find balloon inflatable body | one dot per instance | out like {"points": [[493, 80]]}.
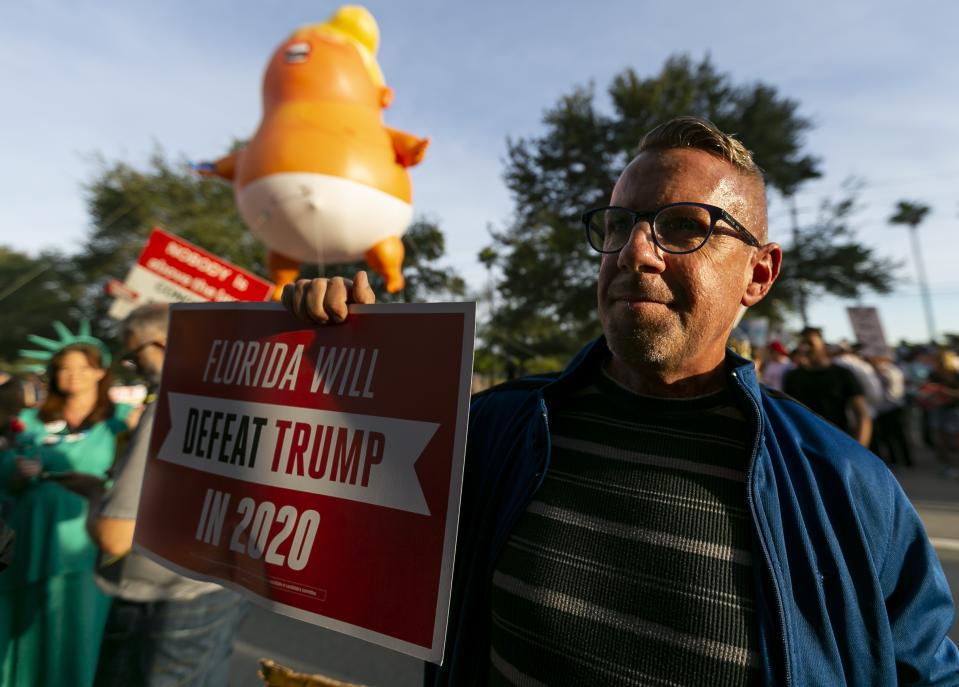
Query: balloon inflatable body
{"points": [[323, 180]]}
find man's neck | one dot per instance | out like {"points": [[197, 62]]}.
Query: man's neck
{"points": [[820, 362], [651, 381]]}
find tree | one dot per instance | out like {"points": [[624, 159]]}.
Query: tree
{"points": [[34, 291], [825, 258], [546, 291], [911, 214], [125, 203], [425, 279]]}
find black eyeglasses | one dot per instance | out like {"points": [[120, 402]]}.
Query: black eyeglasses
{"points": [[677, 228], [132, 358]]}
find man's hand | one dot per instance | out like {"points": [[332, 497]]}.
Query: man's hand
{"points": [[864, 427], [133, 417], [325, 301]]}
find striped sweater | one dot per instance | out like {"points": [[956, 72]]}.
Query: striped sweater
{"points": [[632, 566]]}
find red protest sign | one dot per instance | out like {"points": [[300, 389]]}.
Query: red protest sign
{"points": [[318, 469], [171, 270]]}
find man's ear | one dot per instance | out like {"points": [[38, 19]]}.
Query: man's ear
{"points": [[765, 269]]}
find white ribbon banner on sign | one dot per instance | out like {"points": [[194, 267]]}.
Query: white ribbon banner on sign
{"points": [[348, 456]]}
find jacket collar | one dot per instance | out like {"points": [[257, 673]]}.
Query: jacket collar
{"points": [[596, 351]]}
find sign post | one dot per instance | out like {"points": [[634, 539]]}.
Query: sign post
{"points": [[316, 469]]}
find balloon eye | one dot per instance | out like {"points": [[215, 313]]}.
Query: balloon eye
{"points": [[298, 52]]}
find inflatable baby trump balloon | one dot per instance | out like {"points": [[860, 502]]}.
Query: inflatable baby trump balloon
{"points": [[323, 180]]}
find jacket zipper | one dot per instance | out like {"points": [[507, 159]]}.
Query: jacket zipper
{"points": [[548, 449], [752, 506]]}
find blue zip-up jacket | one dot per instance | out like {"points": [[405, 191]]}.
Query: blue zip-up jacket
{"points": [[848, 588]]}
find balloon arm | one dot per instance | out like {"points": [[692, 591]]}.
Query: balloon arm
{"points": [[224, 168], [283, 270], [410, 149]]}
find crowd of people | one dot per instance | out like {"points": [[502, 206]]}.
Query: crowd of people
{"points": [[897, 401], [651, 515], [77, 606]]}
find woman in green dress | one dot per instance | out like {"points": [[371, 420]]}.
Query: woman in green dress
{"points": [[51, 612]]}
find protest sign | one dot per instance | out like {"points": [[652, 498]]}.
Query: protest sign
{"points": [[171, 270], [317, 469], [868, 331]]}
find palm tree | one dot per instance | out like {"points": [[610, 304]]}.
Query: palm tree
{"points": [[911, 214]]}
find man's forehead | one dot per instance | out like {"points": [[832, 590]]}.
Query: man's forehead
{"points": [[688, 169], [656, 177]]}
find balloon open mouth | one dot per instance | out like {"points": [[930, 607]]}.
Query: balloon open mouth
{"points": [[298, 52]]}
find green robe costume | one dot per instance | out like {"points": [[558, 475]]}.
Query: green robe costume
{"points": [[51, 612]]}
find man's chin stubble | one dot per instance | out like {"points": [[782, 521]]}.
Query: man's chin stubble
{"points": [[638, 347]]}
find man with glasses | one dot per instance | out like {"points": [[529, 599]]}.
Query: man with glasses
{"points": [[163, 628], [652, 515]]}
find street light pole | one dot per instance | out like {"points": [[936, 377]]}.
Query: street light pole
{"points": [[923, 282], [800, 284], [911, 214]]}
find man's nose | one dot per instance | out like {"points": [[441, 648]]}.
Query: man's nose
{"points": [[640, 253]]}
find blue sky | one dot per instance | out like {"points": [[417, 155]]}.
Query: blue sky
{"points": [[116, 79]]}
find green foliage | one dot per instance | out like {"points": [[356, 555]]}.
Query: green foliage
{"points": [[425, 280], [34, 291], [825, 258], [548, 273], [125, 203], [910, 213]]}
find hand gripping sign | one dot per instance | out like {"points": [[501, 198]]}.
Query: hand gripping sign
{"points": [[316, 469]]}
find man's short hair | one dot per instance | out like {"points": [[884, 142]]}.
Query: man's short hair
{"points": [[145, 320], [811, 331], [699, 133]]}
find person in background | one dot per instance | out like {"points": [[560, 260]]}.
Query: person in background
{"points": [[849, 356], [776, 365], [164, 628], [940, 396], [51, 612], [830, 390], [889, 430], [11, 404]]}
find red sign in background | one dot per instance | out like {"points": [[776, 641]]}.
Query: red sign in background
{"points": [[199, 271], [375, 572]]}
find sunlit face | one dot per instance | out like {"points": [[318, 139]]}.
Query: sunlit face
{"points": [[675, 312], [75, 374], [811, 345]]}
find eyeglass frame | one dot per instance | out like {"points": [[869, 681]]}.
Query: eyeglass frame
{"points": [[131, 359], [716, 213]]}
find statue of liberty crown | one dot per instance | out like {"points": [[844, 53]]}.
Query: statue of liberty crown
{"points": [[52, 346]]}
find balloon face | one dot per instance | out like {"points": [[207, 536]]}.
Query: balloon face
{"points": [[312, 67]]}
